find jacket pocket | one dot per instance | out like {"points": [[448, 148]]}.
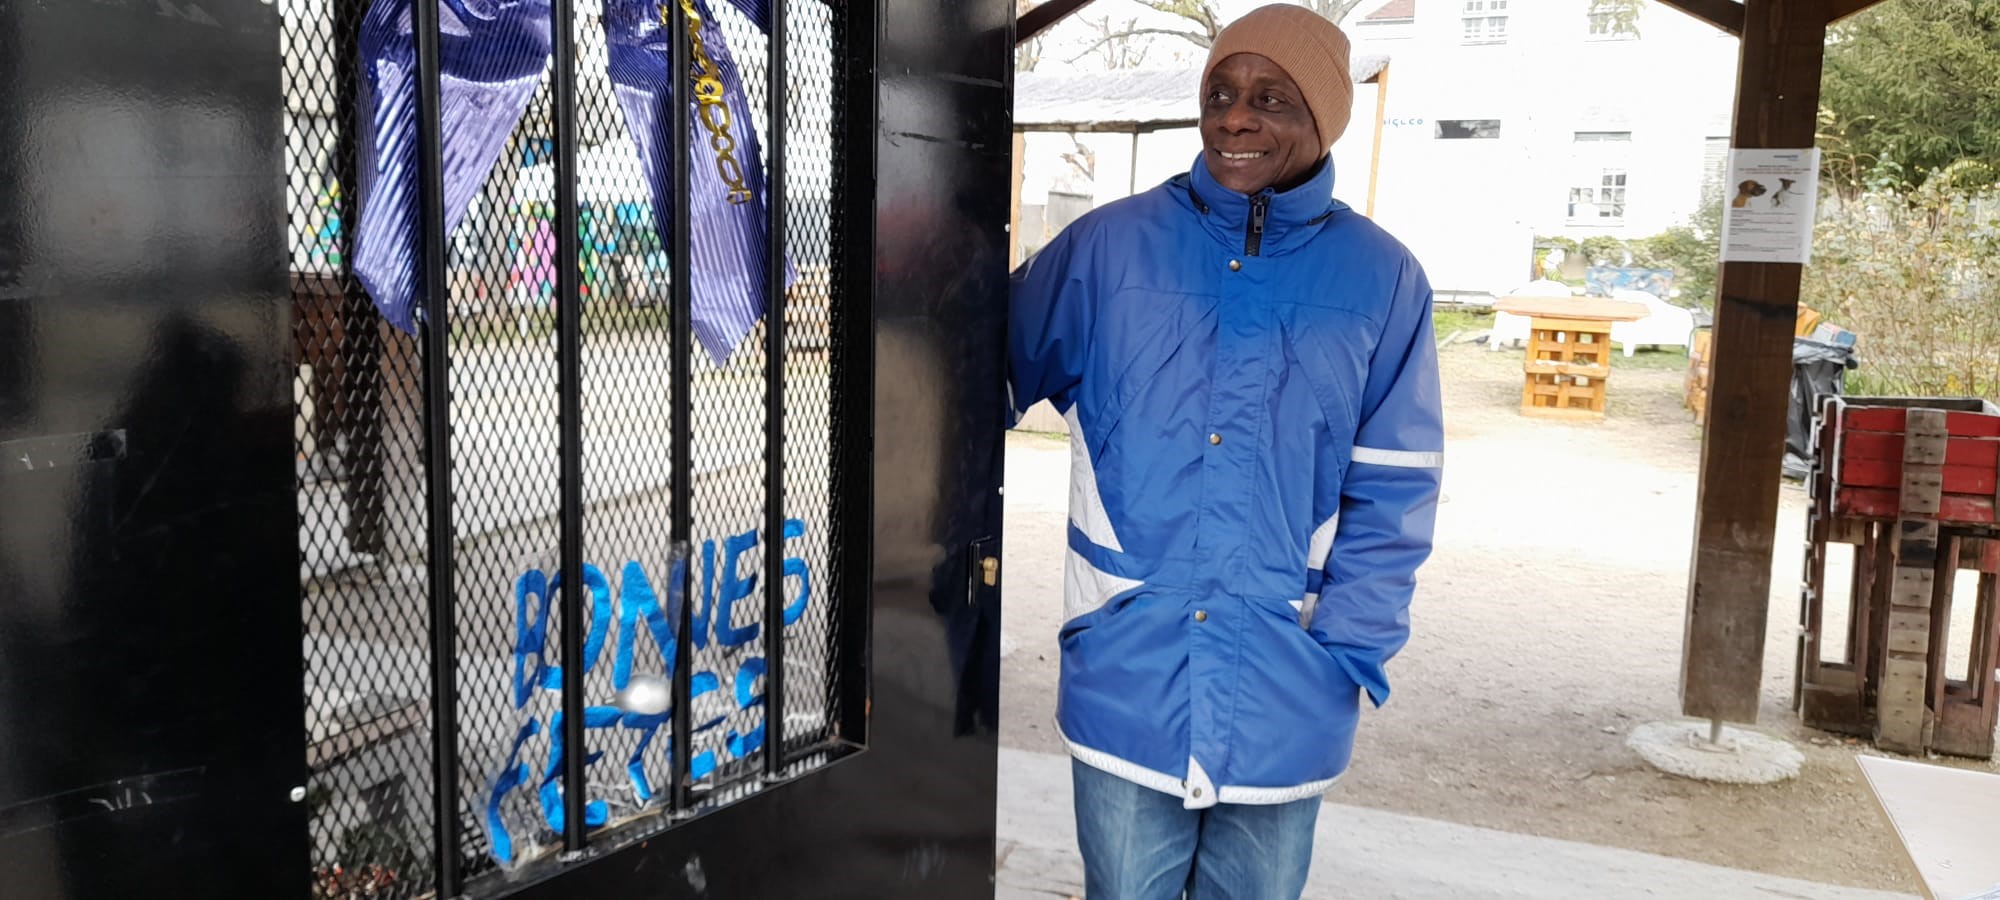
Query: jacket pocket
{"points": [[1308, 663], [1148, 334], [1306, 705], [1332, 348], [1073, 629]]}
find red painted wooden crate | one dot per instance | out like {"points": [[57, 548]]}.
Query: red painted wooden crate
{"points": [[1869, 459]]}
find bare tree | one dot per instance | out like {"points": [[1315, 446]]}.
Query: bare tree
{"points": [[1117, 46], [1616, 16], [1028, 53], [1199, 13], [1082, 158], [1203, 22]]}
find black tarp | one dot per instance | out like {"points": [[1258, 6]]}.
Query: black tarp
{"points": [[1818, 370]]}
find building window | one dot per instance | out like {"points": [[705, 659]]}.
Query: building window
{"points": [[1468, 129], [1597, 189], [1485, 21], [1613, 20], [1602, 203]]}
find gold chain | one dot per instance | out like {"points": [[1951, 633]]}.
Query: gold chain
{"points": [[714, 111]]}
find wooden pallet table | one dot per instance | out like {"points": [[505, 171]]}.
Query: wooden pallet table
{"points": [[1568, 366], [1913, 485]]}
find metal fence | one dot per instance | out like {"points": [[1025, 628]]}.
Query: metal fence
{"points": [[512, 487]]}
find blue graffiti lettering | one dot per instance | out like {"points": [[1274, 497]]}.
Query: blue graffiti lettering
{"points": [[734, 589], [795, 567], [635, 601]]}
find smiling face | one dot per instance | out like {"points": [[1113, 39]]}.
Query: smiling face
{"points": [[1255, 128]]}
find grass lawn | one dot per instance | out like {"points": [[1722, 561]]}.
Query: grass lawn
{"points": [[1446, 322]]}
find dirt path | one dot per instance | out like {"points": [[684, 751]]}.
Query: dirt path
{"points": [[1547, 625]]}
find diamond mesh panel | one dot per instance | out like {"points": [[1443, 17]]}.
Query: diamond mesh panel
{"points": [[812, 685], [506, 483], [362, 452], [362, 527], [729, 461]]}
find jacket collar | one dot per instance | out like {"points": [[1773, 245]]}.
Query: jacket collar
{"points": [[1290, 217]]}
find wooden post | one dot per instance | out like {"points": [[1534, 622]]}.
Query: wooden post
{"points": [[1724, 14], [1043, 17], [1375, 155], [1722, 653], [1904, 721], [1014, 208], [1132, 179]]}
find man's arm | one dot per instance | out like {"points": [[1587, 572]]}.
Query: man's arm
{"points": [[1049, 320], [1388, 501]]}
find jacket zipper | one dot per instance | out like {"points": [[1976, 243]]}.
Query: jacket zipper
{"points": [[1253, 237]]}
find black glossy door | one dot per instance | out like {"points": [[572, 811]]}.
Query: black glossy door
{"points": [[172, 187], [149, 596]]}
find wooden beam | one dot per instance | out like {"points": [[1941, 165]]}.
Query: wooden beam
{"points": [[1841, 9], [1106, 127], [1043, 17], [1722, 655], [1381, 80], [1724, 14], [1014, 205]]}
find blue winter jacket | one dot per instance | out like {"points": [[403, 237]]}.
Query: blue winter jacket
{"points": [[1252, 391]]}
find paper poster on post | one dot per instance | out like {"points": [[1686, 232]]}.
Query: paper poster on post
{"points": [[1768, 205]]}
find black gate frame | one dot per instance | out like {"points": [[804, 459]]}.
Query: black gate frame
{"points": [[164, 466], [924, 326]]}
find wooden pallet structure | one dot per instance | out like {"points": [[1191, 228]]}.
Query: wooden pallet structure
{"points": [[1567, 369], [1697, 374], [1568, 366], [1913, 485]]}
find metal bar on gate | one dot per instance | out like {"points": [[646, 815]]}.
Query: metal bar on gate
{"points": [[362, 353], [851, 316], [680, 395], [569, 413], [436, 311], [777, 92]]}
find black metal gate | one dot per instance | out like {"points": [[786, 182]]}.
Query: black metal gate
{"points": [[748, 572], [552, 469]]}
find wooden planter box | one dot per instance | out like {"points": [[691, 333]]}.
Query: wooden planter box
{"points": [[1911, 485]]}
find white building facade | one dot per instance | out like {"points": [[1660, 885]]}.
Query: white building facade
{"points": [[1502, 120], [1509, 119]]}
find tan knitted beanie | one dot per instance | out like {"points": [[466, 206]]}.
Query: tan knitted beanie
{"points": [[1309, 48]]}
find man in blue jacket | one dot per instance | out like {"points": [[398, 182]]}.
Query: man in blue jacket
{"points": [[1248, 372]]}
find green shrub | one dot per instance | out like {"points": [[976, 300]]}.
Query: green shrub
{"points": [[1917, 276]]}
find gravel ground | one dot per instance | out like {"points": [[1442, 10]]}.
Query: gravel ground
{"points": [[1547, 626]]}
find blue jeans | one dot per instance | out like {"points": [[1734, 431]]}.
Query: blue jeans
{"points": [[1141, 844]]}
